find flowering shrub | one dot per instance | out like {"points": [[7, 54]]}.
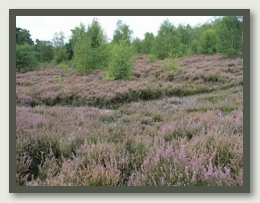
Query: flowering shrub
{"points": [[153, 131]]}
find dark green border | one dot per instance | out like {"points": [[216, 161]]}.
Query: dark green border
{"points": [[128, 12]]}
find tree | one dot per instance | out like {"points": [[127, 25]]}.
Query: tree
{"points": [[69, 49], [137, 45], [196, 35], [82, 55], [44, 50], [183, 35], [89, 47], [96, 34], [120, 65], [23, 36], [147, 43], [122, 32], [58, 39], [166, 41], [25, 57], [99, 48], [60, 54], [209, 42], [230, 34]]}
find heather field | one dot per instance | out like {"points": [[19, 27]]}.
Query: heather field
{"points": [[176, 122]]}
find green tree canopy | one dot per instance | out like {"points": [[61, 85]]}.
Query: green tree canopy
{"points": [[122, 32], [69, 49], [96, 34], [120, 64], [60, 51], [89, 47], [23, 36], [137, 45], [147, 43], [230, 34], [166, 41], [25, 57], [183, 35], [209, 42], [44, 50]]}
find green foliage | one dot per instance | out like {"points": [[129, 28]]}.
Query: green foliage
{"points": [[60, 51], [196, 37], [89, 48], [120, 65], [45, 51], [44, 65], [59, 81], [137, 45], [188, 52], [49, 65], [96, 34], [81, 49], [183, 35], [230, 35], [68, 72], [41, 72], [69, 50], [151, 58], [23, 37], [147, 43], [171, 63], [122, 32], [25, 57], [60, 55], [165, 41], [195, 46], [209, 42], [63, 65]]}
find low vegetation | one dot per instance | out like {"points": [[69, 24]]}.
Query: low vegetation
{"points": [[174, 122]]}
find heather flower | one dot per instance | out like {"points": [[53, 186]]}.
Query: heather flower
{"points": [[181, 128]]}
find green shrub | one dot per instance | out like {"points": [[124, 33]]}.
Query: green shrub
{"points": [[120, 64], [60, 55], [209, 42], [25, 57], [63, 65], [59, 80], [90, 49], [171, 63], [151, 58], [41, 72], [165, 41], [68, 72], [45, 65], [230, 36]]}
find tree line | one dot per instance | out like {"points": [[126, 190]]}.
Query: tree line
{"points": [[89, 49]]}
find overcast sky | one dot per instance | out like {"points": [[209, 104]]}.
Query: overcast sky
{"points": [[44, 27]]}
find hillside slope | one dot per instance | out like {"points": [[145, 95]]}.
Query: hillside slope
{"points": [[179, 127]]}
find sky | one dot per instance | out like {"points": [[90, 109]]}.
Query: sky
{"points": [[44, 27]]}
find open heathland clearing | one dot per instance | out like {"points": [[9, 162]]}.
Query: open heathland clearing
{"points": [[175, 122]]}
